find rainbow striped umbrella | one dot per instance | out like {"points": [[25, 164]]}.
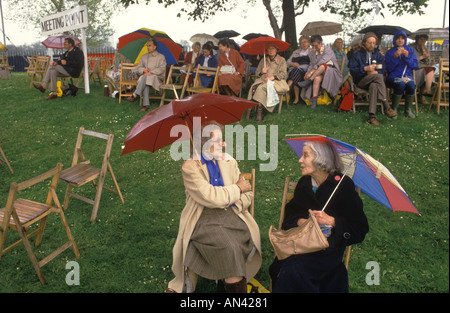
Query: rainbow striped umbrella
{"points": [[374, 179], [133, 45]]}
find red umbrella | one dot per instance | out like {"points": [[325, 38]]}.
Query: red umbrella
{"points": [[57, 41], [152, 132], [260, 44]]}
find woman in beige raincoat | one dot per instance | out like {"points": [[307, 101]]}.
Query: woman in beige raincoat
{"points": [[273, 67], [218, 238]]}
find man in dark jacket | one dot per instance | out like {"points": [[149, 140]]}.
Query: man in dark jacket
{"points": [[367, 68], [70, 65]]}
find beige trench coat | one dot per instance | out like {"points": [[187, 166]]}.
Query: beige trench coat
{"points": [[199, 194], [156, 63], [278, 68]]}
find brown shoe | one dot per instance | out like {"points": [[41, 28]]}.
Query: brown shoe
{"points": [[169, 290], [390, 113], [39, 87], [52, 96], [131, 98], [144, 109], [373, 121]]}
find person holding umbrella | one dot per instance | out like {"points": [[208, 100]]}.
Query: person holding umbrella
{"points": [[321, 271], [70, 65], [218, 238], [273, 67], [400, 63], [425, 72], [367, 68], [152, 68]]}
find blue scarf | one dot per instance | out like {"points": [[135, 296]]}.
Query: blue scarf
{"points": [[215, 177]]}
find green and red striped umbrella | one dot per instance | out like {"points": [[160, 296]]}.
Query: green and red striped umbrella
{"points": [[133, 45]]}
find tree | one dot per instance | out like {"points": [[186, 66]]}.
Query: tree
{"points": [[99, 14], [286, 10]]}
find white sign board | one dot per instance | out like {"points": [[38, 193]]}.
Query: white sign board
{"points": [[64, 21], [68, 20]]}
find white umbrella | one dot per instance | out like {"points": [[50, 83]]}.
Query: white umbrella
{"points": [[321, 28], [432, 33], [203, 38]]}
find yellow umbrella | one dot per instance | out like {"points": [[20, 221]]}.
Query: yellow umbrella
{"points": [[3, 47]]}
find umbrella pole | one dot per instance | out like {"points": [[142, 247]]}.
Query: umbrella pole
{"points": [[192, 142], [342, 178]]}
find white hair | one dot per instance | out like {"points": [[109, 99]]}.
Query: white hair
{"points": [[326, 157]]}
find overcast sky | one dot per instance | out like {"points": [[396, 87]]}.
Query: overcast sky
{"points": [[243, 19]]}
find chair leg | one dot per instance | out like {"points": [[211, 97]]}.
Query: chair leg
{"points": [[162, 98], [67, 196], [40, 232], [115, 183], [98, 196]]}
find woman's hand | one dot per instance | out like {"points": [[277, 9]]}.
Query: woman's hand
{"points": [[301, 221], [244, 185], [324, 218]]}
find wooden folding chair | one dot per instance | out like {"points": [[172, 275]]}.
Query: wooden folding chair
{"points": [[31, 65], [81, 173], [126, 81], [170, 85], [20, 214], [442, 87], [3, 159], [251, 177], [38, 73], [197, 86]]}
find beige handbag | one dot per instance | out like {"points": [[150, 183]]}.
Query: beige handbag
{"points": [[302, 239]]}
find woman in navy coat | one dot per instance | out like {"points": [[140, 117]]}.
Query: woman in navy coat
{"points": [[207, 59], [321, 271]]}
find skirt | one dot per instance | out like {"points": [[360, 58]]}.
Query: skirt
{"points": [[220, 245], [296, 75]]}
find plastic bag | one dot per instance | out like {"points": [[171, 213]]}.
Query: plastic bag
{"points": [[272, 95]]}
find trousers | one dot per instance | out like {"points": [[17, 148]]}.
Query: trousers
{"points": [[53, 72], [377, 89]]}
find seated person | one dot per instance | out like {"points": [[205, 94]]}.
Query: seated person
{"points": [[273, 68], [70, 65], [338, 49], [152, 68], [230, 83], [298, 65], [425, 72], [218, 238], [189, 61], [367, 68], [323, 72], [322, 271], [113, 74], [400, 63], [207, 59]]}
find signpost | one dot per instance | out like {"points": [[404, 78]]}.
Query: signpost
{"points": [[68, 20]]}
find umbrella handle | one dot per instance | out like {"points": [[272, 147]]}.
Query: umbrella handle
{"points": [[342, 178], [192, 141]]}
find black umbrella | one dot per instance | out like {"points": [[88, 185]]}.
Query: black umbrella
{"points": [[226, 34], [383, 30], [254, 35]]}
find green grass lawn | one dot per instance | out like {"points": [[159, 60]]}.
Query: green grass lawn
{"points": [[129, 247]]}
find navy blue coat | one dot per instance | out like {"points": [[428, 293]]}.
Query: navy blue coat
{"points": [[321, 271], [75, 61], [362, 58]]}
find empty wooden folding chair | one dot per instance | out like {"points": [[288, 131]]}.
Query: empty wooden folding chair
{"points": [[40, 69], [19, 214], [81, 173], [170, 85], [197, 86]]}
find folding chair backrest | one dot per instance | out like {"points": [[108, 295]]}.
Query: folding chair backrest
{"points": [[251, 177], [126, 73], [204, 71]]}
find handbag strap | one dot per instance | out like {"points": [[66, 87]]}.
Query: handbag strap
{"points": [[229, 60]]}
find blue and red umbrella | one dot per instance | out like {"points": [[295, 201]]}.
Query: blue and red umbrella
{"points": [[374, 179], [133, 45]]}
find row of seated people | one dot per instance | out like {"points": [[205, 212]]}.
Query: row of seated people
{"points": [[313, 66]]}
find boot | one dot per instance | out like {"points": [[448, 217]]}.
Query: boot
{"points": [[408, 102], [239, 287], [259, 113], [249, 114], [314, 102], [395, 103]]}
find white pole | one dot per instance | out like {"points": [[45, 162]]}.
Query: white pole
{"points": [[86, 68]]}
